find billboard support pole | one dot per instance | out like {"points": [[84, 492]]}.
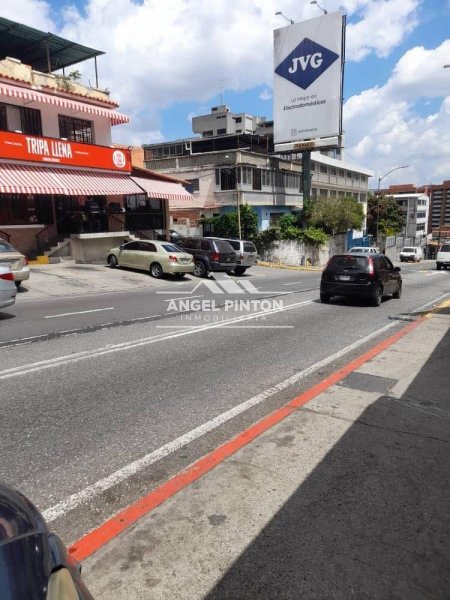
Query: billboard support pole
{"points": [[306, 166]]}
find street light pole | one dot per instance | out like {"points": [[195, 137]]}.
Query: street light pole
{"points": [[380, 179], [325, 12], [280, 14]]}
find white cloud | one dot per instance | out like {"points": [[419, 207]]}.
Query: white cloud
{"points": [[34, 13], [382, 26], [266, 95], [384, 129]]}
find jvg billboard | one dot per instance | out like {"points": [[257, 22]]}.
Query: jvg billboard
{"points": [[309, 66]]}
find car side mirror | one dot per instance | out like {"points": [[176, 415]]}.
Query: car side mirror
{"points": [[397, 269], [121, 247]]}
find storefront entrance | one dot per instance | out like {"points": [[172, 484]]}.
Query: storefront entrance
{"points": [[80, 214]]}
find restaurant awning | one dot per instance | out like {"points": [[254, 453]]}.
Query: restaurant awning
{"points": [[29, 94], [167, 190], [24, 179]]}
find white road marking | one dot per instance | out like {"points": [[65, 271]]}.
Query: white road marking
{"points": [[92, 491], [81, 312], [78, 356], [292, 283], [184, 298]]}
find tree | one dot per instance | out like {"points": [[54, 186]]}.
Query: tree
{"points": [[384, 209], [335, 215], [226, 225]]}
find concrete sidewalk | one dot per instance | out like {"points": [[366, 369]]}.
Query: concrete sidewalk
{"points": [[70, 279], [347, 497]]}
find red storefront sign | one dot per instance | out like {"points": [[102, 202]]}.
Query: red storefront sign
{"points": [[19, 146]]}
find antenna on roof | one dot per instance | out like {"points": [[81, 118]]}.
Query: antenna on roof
{"points": [[221, 89]]}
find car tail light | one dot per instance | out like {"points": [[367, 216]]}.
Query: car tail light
{"points": [[242, 257], [371, 268], [173, 258], [215, 256], [25, 260], [8, 276]]}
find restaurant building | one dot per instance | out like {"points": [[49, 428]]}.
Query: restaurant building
{"points": [[60, 174]]}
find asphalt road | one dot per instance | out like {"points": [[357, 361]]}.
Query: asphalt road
{"points": [[132, 380]]}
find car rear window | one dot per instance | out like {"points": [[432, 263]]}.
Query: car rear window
{"points": [[236, 245], [222, 246], [338, 263], [249, 247], [171, 248], [445, 248], [356, 250], [5, 247], [408, 250]]}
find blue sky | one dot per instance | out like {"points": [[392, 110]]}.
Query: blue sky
{"points": [[167, 61]]}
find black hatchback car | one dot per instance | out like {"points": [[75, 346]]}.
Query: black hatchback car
{"points": [[371, 277], [210, 254]]}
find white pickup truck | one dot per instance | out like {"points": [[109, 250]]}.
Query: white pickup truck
{"points": [[443, 257]]}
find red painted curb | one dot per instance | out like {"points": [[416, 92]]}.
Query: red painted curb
{"points": [[100, 536]]}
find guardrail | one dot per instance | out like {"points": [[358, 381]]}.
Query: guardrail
{"points": [[5, 236]]}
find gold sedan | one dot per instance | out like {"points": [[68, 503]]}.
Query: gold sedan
{"points": [[14, 260], [158, 257]]}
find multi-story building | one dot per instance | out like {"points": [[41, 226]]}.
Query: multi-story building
{"points": [[414, 203], [439, 221], [60, 175], [233, 162]]}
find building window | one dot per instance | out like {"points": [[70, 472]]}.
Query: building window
{"points": [[221, 116], [323, 169], [247, 175], [349, 174], [30, 120], [421, 215], [75, 130], [323, 193], [221, 131], [266, 178], [333, 172], [341, 173], [238, 119], [256, 179], [194, 185], [208, 133], [274, 219], [226, 178], [3, 120], [238, 130]]}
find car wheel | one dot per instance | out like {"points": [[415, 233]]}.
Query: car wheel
{"points": [[199, 269], [112, 261], [398, 293], [378, 296], [240, 270], [18, 284], [156, 270], [325, 298], [438, 267]]}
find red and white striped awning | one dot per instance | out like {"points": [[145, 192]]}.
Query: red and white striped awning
{"points": [[24, 179], [167, 190], [12, 91]]}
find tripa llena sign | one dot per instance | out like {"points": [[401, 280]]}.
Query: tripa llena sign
{"points": [[309, 59]]}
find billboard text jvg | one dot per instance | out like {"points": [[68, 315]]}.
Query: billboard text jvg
{"points": [[309, 62]]}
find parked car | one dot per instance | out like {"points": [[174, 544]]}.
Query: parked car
{"points": [[8, 290], [412, 253], [246, 254], [443, 257], [154, 256], [15, 260], [210, 254], [34, 562], [364, 250], [366, 276]]}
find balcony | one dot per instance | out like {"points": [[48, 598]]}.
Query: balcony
{"points": [[14, 70]]}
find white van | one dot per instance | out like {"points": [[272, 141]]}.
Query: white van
{"points": [[443, 257], [413, 253]]}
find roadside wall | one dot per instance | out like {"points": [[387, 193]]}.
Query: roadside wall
{"points": [[297, 253]]}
